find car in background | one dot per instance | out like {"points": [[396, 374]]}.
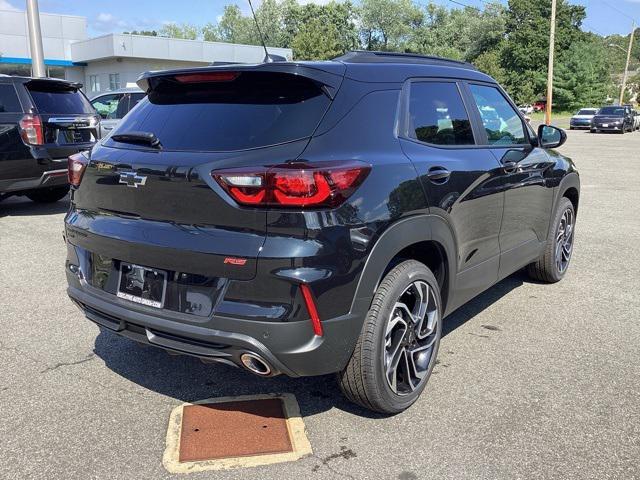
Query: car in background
{"points": [[42, 122], [526, 109], [613, 118], [114, 105], [539, 106], [583, 118]]}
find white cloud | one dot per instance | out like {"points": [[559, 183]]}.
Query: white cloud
{"points": [[5, 5], [108, 22]]}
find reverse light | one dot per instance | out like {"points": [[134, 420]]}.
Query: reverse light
{"points": [[77, 165], [31, 130], [299, 185]]}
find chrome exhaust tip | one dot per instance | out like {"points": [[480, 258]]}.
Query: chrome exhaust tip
{"points": [[255, 364]]}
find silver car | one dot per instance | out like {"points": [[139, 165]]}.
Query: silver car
{"points": [[113, 106]]}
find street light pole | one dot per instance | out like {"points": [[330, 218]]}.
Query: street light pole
{"points": [[552, 43], [35, 39], [626, 67]]}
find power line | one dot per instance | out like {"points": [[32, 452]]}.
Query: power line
{"points": [[465, 5], [618, 10]]}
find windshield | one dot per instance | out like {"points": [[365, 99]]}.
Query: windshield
{"points": [[616, 111], [587, 111], [58, 101], [252, 109]]}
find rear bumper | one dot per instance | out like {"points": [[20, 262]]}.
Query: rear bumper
{"points": [[50, 178], [289, 348]]}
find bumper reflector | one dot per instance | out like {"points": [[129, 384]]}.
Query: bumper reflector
{"points": [[311, 308]]}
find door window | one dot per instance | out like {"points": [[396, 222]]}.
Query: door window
{"points": [[500, 120], [108, 106], [437, 114]]}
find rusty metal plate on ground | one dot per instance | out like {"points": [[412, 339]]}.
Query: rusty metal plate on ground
{"points": [[233, 429], [234, 432]]}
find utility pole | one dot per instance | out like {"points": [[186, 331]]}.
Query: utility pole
{"points": [[552, 44], [35, 39], [626, 67]]}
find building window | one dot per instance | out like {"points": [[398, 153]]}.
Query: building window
{"points": [[94, 83], [114, 81]]}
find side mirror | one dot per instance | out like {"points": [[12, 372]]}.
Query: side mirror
{"points": [[551, 137]]}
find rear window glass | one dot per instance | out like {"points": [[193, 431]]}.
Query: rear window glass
{"points": [[253, 110], [9, 99], [55, 100]]}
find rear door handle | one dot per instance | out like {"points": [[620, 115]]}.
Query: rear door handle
{"points": [[438, 175]]}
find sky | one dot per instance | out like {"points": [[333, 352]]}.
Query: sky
{"points": [[603, 16]]}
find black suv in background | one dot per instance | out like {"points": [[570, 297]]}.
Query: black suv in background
{"points": [[315, 217], [42, 122], [613, 118]]}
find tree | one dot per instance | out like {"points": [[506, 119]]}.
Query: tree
{"points": [[387, 24], [581, 76], [317, 40], [185, 31], [489, 63], [148, 33], [526, 48]]}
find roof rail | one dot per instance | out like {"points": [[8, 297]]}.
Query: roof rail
{"points": [[370, 56]]}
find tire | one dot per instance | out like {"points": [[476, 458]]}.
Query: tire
{"points": [[593, 130], [364, 380], [48, 195], [548, 268]]}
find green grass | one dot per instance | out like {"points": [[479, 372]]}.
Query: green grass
{"points": [[560, 119]]}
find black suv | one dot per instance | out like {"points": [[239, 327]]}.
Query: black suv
{"points": [[613, 118], [42, 122], [315, 217]]}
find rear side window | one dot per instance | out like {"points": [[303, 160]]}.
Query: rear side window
{"points": [[245, 110], [500, 120], [437, 114], [58, 99], [9, 100], [110, 106]]}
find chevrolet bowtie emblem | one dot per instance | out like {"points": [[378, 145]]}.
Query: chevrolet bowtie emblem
{"points": [[132, 179]]}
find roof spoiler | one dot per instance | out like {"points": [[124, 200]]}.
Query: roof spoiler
{"points": [[329, 74], [55, 83]]}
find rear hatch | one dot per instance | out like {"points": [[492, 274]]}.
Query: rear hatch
{"points": [[159, 206], [69, 122]]}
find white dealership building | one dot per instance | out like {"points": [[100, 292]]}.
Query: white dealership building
{"points": [[110, 61]]}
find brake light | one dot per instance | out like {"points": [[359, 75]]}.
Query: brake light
{"points": [[77, 164], [315, 185], [207, 77], [31, 130]]}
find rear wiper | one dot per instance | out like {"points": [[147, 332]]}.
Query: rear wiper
{"points": [[142, 138]]}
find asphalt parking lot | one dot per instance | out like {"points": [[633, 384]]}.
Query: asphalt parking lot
{"points": [[533, 380]]}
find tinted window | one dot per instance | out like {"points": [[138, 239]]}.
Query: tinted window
{"points": [[108, 106], [253, 110], [587, 111], [437, 114], [501, 122], [9, 99], [617, 111], [56, 100], [135, 98]]}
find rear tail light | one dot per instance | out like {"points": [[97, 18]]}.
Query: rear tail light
{"points": [[314, 185], [31, 130], [77, 165]]}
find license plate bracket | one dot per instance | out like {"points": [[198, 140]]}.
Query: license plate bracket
{"points": [[143, 285]]}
